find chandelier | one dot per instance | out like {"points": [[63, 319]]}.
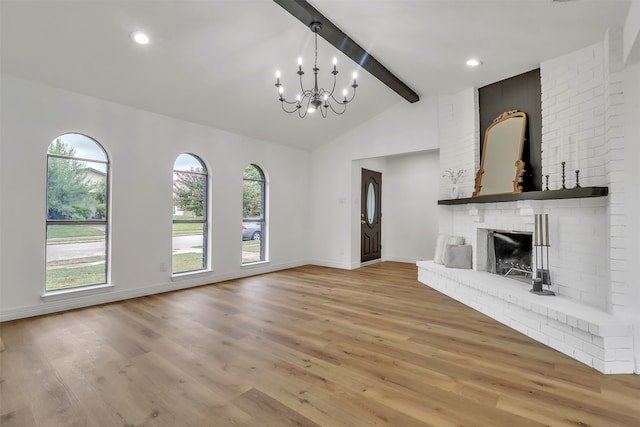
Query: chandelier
{"points": [[310, 100]]}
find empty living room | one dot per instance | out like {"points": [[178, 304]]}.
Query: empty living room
{"points": [[319, 213]]}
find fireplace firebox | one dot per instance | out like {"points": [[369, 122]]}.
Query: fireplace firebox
{"points": [[509, 254]]}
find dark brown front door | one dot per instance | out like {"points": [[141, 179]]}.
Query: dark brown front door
{"points": [[371, 216]]}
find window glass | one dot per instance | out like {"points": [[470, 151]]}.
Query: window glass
{"points": [[77, 213], [188, 163], [83, 147], [76, 255], [188, 247], [190, 227], [253, 215], [371, 203]]}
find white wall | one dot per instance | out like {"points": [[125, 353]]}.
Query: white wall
{"points": [[405, 128], [410, 220], [142, 148], [631, 77], [1, 204], [631, 90], [631, 34]]}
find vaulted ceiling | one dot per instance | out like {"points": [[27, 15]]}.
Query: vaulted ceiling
{"points": [[213, 62]]}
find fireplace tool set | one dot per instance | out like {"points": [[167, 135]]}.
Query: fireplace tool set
{"points": [[541, 249]]}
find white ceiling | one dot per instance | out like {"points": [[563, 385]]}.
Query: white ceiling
{"points": [[213, 62]]}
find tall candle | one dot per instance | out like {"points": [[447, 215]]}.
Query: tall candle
{"points": [[562, 142], [576, 150], [535, 230]]}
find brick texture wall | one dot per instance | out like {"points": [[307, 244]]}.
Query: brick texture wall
{"points": [[582, 119], [615, 167], [583, 124], [459, 141]]}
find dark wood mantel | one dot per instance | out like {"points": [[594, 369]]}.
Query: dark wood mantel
{"points": [[569, 193]]}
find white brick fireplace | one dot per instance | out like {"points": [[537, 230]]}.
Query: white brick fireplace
{"points": [[578, 253], [594, 317]]}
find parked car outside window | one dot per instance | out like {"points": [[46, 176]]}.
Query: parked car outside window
{"points": [[251, 231]]}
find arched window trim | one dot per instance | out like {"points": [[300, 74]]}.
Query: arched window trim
{"points": [[91, 221], [205, 266], [263, 214]]}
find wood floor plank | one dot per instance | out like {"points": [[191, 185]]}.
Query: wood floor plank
{"points": [[12, 397], [18, 418], [309, 346], [51, 402], [266, 411], [99, 408]]}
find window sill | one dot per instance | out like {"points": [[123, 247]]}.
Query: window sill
{"points": [[63, 294], [254, 264], [190, 274]]}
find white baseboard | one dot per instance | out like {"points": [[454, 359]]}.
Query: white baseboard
{"points": [[373, 261], [334, 264], [358, 264], [403, 259]]}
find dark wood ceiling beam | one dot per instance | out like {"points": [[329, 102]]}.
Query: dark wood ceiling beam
{"points": [[307, 14]]}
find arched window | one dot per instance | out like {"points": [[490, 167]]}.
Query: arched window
{"points": [[253, 215], [77, 213], [190, 225]]}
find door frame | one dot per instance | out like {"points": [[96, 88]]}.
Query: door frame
{"points": [[374, 238]]}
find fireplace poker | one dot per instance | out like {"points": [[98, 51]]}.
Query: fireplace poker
{"points": [[541, 227], [546, 226], [546, 222]]}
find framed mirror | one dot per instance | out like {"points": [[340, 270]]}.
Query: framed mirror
{"points": [[501, 165]]}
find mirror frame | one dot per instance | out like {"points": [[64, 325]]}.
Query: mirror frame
{"points": [[519, 165]]}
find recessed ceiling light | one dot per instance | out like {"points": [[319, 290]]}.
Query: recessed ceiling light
{"points": [[140, 37], [474, 62]]}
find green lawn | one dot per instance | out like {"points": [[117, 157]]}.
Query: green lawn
{"points": [[250, 251], [187, 262], [67, 277], [73, 233], [76, 261], [69, 233], [187, 217], [184, 228]]}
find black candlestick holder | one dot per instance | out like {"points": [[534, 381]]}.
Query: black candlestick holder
{"points": [[546, 187], [563, 176], [577, 178]]}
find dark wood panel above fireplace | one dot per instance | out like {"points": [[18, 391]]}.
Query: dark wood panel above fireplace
{"points": [[522, 93]]}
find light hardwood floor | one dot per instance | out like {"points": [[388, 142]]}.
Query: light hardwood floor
{"points": [[302, 347]]}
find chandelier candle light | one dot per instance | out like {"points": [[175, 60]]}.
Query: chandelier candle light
{"points": [[310, 100]]}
